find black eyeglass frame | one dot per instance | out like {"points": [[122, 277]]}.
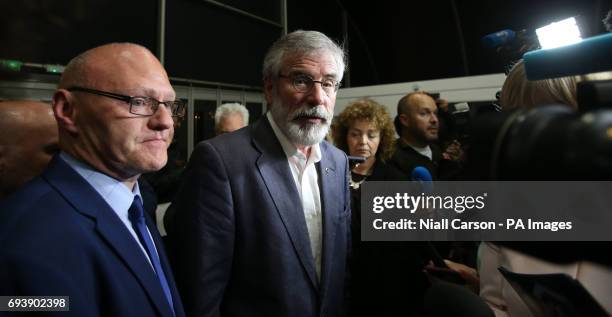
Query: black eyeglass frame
{"points": [[311, 83], [177, 107]]}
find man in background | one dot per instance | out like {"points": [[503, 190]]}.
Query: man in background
{"points": [[230, 117], [28, 140], [418, 130]]}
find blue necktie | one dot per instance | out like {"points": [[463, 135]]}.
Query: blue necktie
{"points": [[136, 216]]}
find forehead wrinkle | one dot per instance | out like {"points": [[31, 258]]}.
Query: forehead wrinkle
{"points": [[320, 59]]}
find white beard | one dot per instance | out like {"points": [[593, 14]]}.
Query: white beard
{"points": [[308, 134]]}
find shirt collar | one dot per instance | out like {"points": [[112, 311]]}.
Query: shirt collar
{"points": [[420, 149], [288, 147], [405, 144], [114, 192]]}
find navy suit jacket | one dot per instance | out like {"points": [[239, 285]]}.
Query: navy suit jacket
{"points": [[242, 243], [58, 237]]}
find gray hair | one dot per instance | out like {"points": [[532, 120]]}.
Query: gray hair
{"points": [[227, 109], [301, 42]]}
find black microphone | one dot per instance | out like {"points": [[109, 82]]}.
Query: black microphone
{"points": [[592, 55], [445, 299]]}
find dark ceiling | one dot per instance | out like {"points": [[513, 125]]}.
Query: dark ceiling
{"points": [[401, 41], [388, 41]]}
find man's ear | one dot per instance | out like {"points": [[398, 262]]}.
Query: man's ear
{"points": [[269, 90], [64, 110], [404, 120]]}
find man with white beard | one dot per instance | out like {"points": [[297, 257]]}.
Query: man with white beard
{"points": [[263, 216]]}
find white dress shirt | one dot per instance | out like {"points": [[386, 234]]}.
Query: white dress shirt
{"points": [[425, 151], [306, 180]]}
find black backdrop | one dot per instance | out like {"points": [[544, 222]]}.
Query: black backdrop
{"points": [[52, 31], [210, 43], [203, 41], [389, 41]]}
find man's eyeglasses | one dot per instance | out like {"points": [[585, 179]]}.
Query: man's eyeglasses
{"points": [[303, 83], [142, 106]]}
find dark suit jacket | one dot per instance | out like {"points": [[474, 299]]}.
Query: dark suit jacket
{"points": [[405, 158], [242, 242], [387, 277], [59, 237]]}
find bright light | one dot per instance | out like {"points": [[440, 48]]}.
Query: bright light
{"points": [[560, 33]]}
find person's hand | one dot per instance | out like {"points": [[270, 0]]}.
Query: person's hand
{"points": [[442, 104], [453, 152], [468, 274]]}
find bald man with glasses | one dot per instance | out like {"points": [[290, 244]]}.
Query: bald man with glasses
{"points": [[78, 230]]}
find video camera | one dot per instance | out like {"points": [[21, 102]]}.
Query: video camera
{"points": [[457, 120], [552, 142]]}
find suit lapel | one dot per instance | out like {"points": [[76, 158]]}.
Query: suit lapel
{"points": [[89, 203], [274, 169], [331, 190]]}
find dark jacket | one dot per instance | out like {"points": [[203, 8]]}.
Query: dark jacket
{"points": [[242, 243], [406, 159], [386, 277], [60, 238]]}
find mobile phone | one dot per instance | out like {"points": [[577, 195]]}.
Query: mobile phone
{"points": [[356, 159]]}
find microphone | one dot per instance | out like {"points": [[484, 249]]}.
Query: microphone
{"points": [[445, 299], [498, 38], [423, 176], [592, 55], [420, 173]]}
